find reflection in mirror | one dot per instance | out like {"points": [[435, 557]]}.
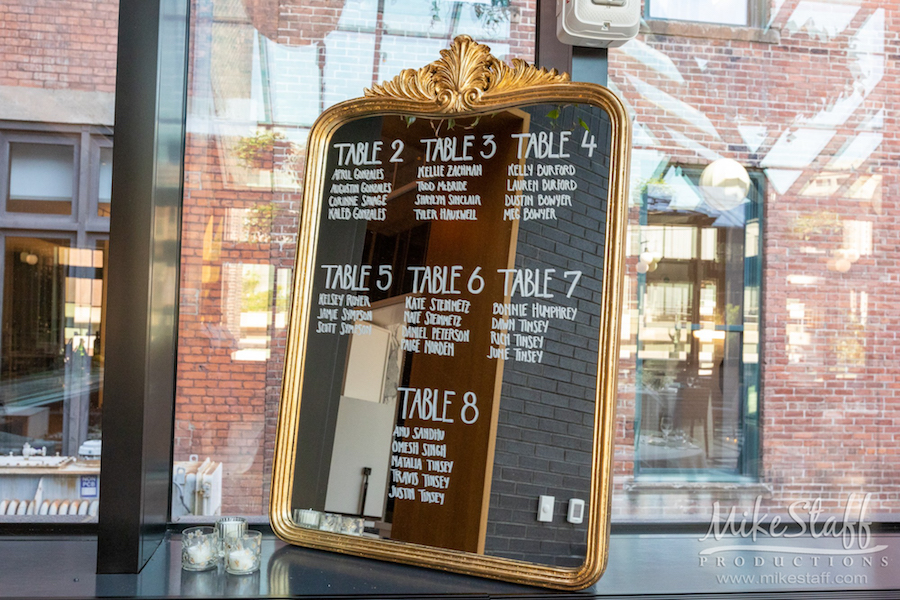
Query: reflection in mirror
{"points": [[453, 341], [698, 271]]}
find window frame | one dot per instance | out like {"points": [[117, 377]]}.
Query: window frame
{"points": [[15, 219], [85, 142]]}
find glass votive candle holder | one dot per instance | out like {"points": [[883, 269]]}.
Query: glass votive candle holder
{"points": [[242, 553], [330, 522], [228, 528], [199, 548], [352, 525], [305, 517]]}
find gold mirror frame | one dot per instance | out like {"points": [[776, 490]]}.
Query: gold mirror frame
{"points": [[466, 81]]}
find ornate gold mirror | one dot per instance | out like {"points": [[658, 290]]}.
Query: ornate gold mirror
{"points": [[451, 364]]}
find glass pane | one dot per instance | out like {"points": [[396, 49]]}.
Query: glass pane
{"points": [[41, 178], [57, 113], [51, 372], [704, 426], [728, 12], [690, 372], [266, 82]]}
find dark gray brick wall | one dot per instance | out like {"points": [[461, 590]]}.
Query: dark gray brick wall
{"points": [[545, 431]]}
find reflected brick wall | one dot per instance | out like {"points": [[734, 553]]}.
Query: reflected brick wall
{"points": [[812, 103], [765, 98], [240, 212], [67, 44]]}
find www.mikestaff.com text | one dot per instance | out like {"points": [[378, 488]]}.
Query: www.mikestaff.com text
{"points": [[824, 577]]}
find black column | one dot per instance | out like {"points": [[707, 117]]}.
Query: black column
{"points": [[582, 63], [550, 53], [142, 303], [590, 65]]}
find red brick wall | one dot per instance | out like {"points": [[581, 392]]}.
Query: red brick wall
{"points": [[822, 434], [59, 44], [226, 408], [829, 406]]}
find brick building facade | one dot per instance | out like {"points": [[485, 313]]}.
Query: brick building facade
{"points": [[59, 45], [805, 102], [809, 103]]}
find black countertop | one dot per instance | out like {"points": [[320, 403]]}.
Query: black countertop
{"points": [[646, 565]]}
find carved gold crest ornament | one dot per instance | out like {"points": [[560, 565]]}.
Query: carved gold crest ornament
{"points": [[453, 186], [465, 76]]}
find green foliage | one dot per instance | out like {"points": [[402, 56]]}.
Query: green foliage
{"points": [[253, 149], [255, 297], [258, 222], [491, 15], [639, 188]]}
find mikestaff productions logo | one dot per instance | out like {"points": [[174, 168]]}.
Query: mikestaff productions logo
{"points": [[818, 560]]}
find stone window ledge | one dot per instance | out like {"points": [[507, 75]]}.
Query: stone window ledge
{"points": [[756, 489], [710, 31]]}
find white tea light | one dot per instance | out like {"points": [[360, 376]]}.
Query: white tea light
{"points": [[240, 560], [199, 548], [199, 555], [242, 553]]}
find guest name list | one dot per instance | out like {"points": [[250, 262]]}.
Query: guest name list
{"points": [[438, 317]]}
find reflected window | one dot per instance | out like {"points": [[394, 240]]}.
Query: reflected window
{"points": [[725, 12], [52, 311], [104, 192], [41, 178], [698, 268], [247, 291]]}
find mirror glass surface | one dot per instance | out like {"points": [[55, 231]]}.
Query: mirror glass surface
{"points": [[451, 354]]}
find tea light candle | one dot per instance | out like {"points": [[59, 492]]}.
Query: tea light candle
{"points": [[199, 554], [229, 528], [240, 560], [242, 554], [199, 548]]}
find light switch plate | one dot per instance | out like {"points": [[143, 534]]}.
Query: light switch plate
{"points": [[545, 508]]}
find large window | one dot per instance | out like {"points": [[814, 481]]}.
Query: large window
{"points": [[53, 237], [723, 307], [260, 80]]}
